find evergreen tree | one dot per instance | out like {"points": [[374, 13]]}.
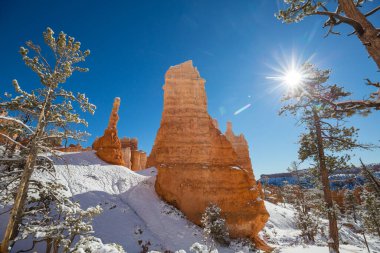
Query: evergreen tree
{"points": [[351, 205], [326, 136], [346, 12], [370, 202], [214, 226], [303, 201], [50, 110]]}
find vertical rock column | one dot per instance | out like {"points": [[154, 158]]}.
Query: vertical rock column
{"points": [[240, 145], [108, 147], [198, 165]]}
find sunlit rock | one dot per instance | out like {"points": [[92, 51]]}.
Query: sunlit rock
{"points": [[198, 165]]}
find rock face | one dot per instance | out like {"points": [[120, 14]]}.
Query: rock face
{"points": [[134, 159], [240, 145], [198, 165], [108, 147], [138, 159]]}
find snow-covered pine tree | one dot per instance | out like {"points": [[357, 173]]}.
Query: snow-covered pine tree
{"points": [[214, 226], [201, 248], [351, 205], [370, 207], [353, 213], [95, 245], [51, 115], [306, 218], [50, 216], [326, 136]]}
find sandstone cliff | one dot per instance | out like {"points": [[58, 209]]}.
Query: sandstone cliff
{"points": [[198, 165], [240, 145]]}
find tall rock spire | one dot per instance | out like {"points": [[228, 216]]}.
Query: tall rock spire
{"points": [[108, 147], [197, 164], [240, 145], [114, 117]]}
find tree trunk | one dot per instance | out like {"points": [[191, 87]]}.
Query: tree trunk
{"points": [[370, 36], [22, 193], [333, 240], [365, 241], [49, 244], [18, 206]]}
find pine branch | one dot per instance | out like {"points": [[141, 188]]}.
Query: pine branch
{"points": [[16, 121], [13, 141], [342, 19]]}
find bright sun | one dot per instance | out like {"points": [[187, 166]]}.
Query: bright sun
{"points": [[289, 72], [292, 78]]}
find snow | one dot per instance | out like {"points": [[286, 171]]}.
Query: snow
{"points": [[134, 216], [284, 235]]}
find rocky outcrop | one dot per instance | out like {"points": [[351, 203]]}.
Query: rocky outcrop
{"points": [[134, 159], [108, 147], [240, 145], [198, 165], [260, 189], [138, 159]]}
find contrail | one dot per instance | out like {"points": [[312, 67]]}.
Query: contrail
{"points": [[242, 109]]}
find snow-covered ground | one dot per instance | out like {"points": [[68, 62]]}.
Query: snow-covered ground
{"points": [[133, 215]]}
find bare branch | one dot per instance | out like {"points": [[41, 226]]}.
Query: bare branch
{"points": [[372, 11], [358, 27]]}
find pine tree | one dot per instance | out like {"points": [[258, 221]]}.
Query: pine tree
{"points": [[370, 210], [93, 244], [214, 226], [303, 200], [354, 212], [347, 13], [50, 109], [351, 203], [326, 136]]}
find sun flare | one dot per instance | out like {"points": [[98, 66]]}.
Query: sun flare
{"points": [[293, 77], [288, 71]]}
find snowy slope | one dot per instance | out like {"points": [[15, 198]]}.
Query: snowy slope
{"points": [[134, 215]]}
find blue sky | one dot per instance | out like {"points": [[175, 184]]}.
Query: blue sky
{"points": [[234, 44]]}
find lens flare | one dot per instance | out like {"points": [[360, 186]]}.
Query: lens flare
{"points": [[293, 77], [242, 109], [289, 72]]}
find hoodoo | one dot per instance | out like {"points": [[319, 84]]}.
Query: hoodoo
{"points": [[108, 147], [198, 165], [117, 151]]}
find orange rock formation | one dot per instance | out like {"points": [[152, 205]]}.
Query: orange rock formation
{"points": [[134, 159], [108, 147], [115, 151], [198, 165], [240, 145]]}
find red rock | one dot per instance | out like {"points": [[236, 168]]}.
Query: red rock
{"points": [[134, 159], [240, 145], [198, 165], [138, 160], [108, 147], [260, 189]]}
